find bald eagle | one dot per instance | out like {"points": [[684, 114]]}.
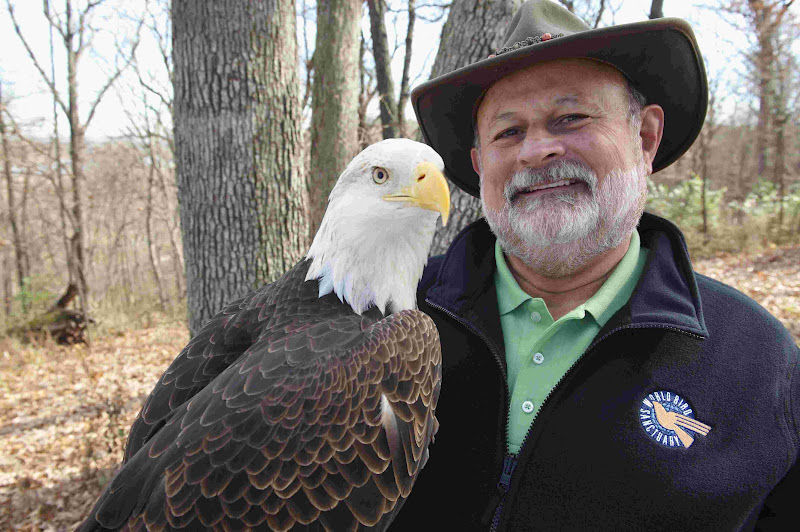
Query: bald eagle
{"points": [[309, 403]]}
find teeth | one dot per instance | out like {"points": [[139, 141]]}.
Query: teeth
{"points": [[563, 182]]}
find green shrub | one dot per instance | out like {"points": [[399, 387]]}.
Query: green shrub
{"points": [[733, 226]]}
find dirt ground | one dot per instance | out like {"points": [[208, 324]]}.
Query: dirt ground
{"points": [[65, 412]]}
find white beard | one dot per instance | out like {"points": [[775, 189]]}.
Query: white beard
{"points": [[557, 235]]}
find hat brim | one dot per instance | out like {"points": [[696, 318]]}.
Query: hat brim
{"points": [[660, 57]]}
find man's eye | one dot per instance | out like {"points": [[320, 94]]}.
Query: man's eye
{"points": [[510, 132], [571, 119]]}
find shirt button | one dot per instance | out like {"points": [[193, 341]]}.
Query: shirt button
{"points": [[538, 358], [527, 407], [536, 317]]}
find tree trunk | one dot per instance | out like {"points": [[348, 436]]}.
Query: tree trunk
{"points": [[151, 245], [473, 30], [19, 250], [172, 210], [77, 147], [58, 169], [383, 67], [780, 116], [334, 107], [741, 176], [403, 99], [656, 9], [362, 96], [238, 147], [765, 19], [8, 283]]}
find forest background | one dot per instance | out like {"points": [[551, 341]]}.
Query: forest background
{"points": [[163, 159]]}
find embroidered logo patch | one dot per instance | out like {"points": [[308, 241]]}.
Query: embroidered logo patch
{"points": [[669, 420]]}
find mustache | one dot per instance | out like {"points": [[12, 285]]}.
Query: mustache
{"points": [[557, 171]]}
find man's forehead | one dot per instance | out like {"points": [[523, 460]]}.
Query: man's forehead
{"points": [[560, 82], [499, 110]]}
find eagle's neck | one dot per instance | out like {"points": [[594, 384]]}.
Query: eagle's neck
{"points": [[371, 258]]}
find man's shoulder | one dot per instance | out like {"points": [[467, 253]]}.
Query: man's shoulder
{"points": [[724, 305], [472, 245], [430, 273]]}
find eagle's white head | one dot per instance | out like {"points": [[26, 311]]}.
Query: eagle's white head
{"points": [[373, 241]]}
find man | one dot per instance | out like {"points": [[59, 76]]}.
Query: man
{"points": [[591, 379]]}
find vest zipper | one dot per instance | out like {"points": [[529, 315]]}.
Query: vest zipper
{"points": [[492, 513]]}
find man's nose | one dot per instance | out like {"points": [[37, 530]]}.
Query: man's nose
{"points": [[540, 148]]}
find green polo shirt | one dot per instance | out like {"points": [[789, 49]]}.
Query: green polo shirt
{"points": [[539, 351]]}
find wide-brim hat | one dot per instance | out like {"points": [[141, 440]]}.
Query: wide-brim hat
{"points": [[659, 57]]}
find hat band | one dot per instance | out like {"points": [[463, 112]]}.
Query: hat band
{"points": [[536, 39]]}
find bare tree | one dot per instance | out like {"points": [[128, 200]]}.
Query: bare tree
{"points": [[334, 115], [238, 147], [702, 153], [769, 61], [13, 208], [591, 11], [365, 94], [76, 33], [656, 9], [403, 99], [383, 67], [782, 92], [473, 30], [764, 19]]}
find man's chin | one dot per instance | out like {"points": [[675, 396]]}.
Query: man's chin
{"points": [[555, 261], [554, 224]]}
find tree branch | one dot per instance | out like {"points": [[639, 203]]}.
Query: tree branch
{"points": [[114, 77], [36, 64]]}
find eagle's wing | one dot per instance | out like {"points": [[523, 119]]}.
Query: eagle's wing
{"points": [[220, 342], [326, 425]]}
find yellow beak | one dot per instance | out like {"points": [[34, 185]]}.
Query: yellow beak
{"points": [[428, 190]]}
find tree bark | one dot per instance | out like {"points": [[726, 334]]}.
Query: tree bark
{"points": [[656, 9], [77, 147], [148, 223], [383, 67], [334, 106], [363, 99], [403, 99], [781, 112], [19, 249], [704, 143], [473, 30], [58, 169], [238, 147], [8, 282]]}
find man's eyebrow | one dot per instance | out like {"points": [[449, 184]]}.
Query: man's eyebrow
{"points": [[567, 99], [575, 100], [502, 116]]}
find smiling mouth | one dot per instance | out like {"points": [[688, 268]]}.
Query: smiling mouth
{"points": [[545, 186]]}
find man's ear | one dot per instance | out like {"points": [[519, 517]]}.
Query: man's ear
{"points": [[650, 132], [476, 160]]}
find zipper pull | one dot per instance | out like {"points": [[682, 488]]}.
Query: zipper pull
{"points": [[492, 512], [509, 463]]}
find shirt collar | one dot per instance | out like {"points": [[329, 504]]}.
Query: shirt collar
{"points": [[509, 294], [600, 304]]}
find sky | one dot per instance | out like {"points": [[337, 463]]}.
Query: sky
{"points": [[720, 43]]}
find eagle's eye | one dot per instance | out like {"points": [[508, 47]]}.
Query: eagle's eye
{"points": [[380, 175]]}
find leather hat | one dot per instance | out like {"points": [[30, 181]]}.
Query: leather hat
{"points": [[659, 57]]}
